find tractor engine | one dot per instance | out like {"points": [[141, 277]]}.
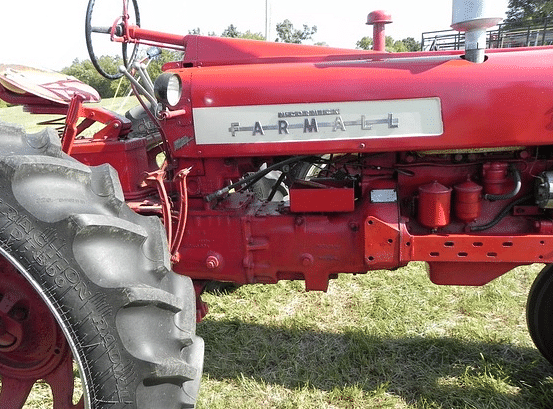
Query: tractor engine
{"points": [[399, 157]]}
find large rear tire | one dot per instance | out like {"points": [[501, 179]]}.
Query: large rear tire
{"points": [[84, 278]]}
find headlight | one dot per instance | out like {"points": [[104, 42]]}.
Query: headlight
{"points": [[168, 89]]}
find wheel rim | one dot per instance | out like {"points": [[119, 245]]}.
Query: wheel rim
{"points": [[32, 345]]}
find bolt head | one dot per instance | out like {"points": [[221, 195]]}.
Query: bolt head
{"points": [[212, 262]]}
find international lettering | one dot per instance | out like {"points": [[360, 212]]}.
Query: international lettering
{"points": [[312, 112]]}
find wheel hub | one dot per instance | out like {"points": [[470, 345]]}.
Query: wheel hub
{"points": [[31, 342], [32, 345]]}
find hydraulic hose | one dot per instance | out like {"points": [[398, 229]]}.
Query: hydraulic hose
{"points": [[250, 180], [501, 214]]}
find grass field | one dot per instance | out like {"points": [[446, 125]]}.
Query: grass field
{"points": [[378, 340]]}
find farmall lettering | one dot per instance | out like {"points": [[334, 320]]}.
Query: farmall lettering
{"points": [[312, 124], [318, 122]]}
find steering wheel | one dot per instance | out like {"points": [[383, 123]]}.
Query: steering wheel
{"points": [[97, 23]]}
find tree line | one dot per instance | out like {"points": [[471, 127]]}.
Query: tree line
{"points": [[528, 11]]}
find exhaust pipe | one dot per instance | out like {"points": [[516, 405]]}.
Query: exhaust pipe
{"points": [[474, 17]]}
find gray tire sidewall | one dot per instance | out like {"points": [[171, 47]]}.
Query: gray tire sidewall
{"points": [[41, 253], [131, 329]]}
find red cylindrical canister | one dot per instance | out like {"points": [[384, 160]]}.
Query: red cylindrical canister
{"points": [[434, 205], [495, 179], [468, 201]]}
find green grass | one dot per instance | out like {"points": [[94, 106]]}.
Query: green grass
{"points": [[380, 340]]}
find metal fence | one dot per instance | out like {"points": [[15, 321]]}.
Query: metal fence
{"points": [[506, 35]]}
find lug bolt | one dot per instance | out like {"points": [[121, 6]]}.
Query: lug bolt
{"points": [[307, 260], [19, 314]]}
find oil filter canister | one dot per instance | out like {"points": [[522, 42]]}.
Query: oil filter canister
{"points": [[434, 205], [467, 201], [495, 178]]}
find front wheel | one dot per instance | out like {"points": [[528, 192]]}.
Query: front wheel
{"points": [[85, 279], [539, 312]]}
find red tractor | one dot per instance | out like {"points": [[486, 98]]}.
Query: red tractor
{"points": [[254, 162]]}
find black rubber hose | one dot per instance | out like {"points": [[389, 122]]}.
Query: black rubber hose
{"points": [[250, 180], [276, 186], [501, 214]]}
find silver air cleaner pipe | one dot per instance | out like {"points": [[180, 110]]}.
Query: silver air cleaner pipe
{"points": [[474, 17]]}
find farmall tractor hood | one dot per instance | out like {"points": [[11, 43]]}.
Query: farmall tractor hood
{"points": [[367, 100], [272, 97]]}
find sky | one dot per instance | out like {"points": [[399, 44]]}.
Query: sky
{"points": [[50, 34]]}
